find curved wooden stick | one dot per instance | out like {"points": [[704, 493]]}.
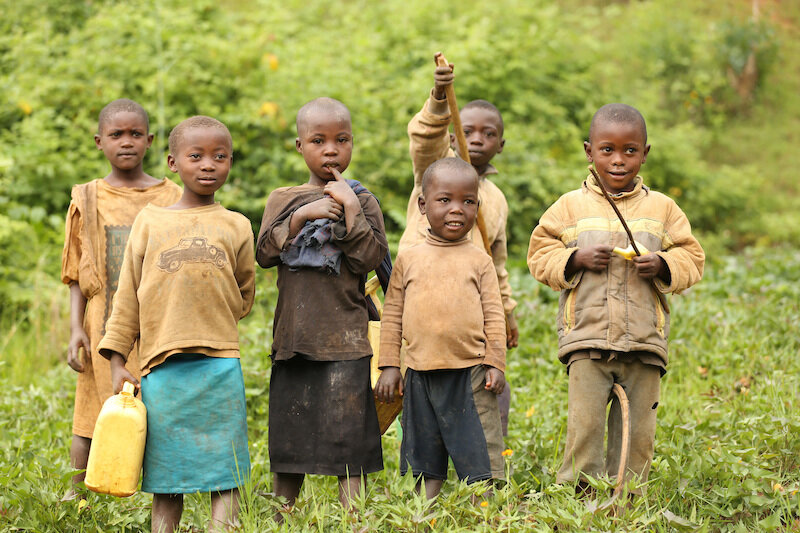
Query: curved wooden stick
{"points": [[624, 406]]}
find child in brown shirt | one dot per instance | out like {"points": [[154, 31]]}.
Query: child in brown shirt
{"points": [[98, 223], [443, 298], [324, 237]]}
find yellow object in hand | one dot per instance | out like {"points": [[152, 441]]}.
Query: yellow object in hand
{"points": [[115, 458], [629, 253]]}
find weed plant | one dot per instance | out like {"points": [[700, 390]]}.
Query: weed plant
{"points": [[727, 444]]}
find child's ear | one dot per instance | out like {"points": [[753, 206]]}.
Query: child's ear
{"points": [[150, 138], [97, 141], [421, 204], [587, 147], [500, 146], [646, 151], [171, 163], [298, 145]]}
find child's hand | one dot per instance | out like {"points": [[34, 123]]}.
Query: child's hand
{"points": [[390, 380], [120, 374], [339, 190], [442, 77], [595, 257], [495, 380], [79, 339], [650, 265], [325, 207]]}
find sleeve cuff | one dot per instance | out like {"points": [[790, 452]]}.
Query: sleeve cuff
{"points": [[438, 108], [659, 283]]}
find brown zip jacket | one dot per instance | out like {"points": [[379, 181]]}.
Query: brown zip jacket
{"points": [[615, 309]]}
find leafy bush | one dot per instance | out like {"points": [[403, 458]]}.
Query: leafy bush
{"points": [[546, 66]]}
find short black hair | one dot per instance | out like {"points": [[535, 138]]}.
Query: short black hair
{"points": [[118, 106], [619, 114], [449, 163], [485, 104], [323, 104], [198, 121]]}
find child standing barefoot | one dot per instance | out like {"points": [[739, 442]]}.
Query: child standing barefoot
{"points": [[98, 223], [187, 279]]}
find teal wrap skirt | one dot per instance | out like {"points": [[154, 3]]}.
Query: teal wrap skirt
{"points": [[196, 426]]}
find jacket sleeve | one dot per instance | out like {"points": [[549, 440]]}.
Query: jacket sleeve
{"points": [[681, 251], [245, 273], [274, 231], [428, 136], [392, 318], [548, 254], [122, 328], [494, 320], [365, 246], [499, 258]]}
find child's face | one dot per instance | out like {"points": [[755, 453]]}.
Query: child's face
{"points": [[124, 140], [326, 142], [484, 135], [450, 203], [203, 161], [618, 150]]}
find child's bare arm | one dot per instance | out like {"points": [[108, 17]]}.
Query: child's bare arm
{"points": [[390, 380], [120, 374], [78, 338]]}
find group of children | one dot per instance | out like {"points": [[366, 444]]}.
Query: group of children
{"points": [[180, 271]]}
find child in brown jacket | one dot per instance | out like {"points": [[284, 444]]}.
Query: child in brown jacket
{"points": [[98, 223], [613, 321], [444, 300]]}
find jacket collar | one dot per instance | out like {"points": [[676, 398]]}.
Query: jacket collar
{"points": [[590, 184], [432, 239]]}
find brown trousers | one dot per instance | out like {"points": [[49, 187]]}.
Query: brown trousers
{"points": [[590, 383]]}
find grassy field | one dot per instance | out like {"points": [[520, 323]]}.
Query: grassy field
{"points": [[727, 446]]}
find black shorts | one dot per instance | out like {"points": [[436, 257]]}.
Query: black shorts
{"points": [[450, 413], [322, 418]]}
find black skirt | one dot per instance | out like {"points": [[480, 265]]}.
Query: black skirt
{"points": [[322, 418]]}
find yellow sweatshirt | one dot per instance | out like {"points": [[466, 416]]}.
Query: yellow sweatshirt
{"points": [[187, 278]]}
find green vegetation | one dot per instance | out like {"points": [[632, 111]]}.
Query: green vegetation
{"points": [[727, 445], [722, 133]]}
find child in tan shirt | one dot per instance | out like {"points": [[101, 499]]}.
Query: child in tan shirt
{"points": [[98, 223], [187, 279], [443, 298]]}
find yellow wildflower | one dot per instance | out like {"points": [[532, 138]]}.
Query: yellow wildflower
{"points": [[269, 109], [508, 452], [530, 411], [777, 487], [484, 503], [271, 60], [433, 522], [25, 107]]}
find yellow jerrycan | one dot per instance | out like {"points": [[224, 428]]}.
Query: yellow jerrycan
{"points": [[115, 458]]}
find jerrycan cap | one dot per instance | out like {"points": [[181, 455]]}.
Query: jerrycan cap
{"points": [[128, 388]]}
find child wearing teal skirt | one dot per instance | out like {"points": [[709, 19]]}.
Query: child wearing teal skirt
{"points": [[187, 279]]}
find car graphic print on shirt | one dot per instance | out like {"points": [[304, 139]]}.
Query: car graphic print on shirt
{"points": [[191, 250]]}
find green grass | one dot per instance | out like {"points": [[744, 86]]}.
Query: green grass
{"points": [[727, 446]]}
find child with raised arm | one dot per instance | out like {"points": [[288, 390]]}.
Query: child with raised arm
{"points": [[443, 299], [430, 141], [613, 321], [187, 279], [324, 236], [98, 223]]}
